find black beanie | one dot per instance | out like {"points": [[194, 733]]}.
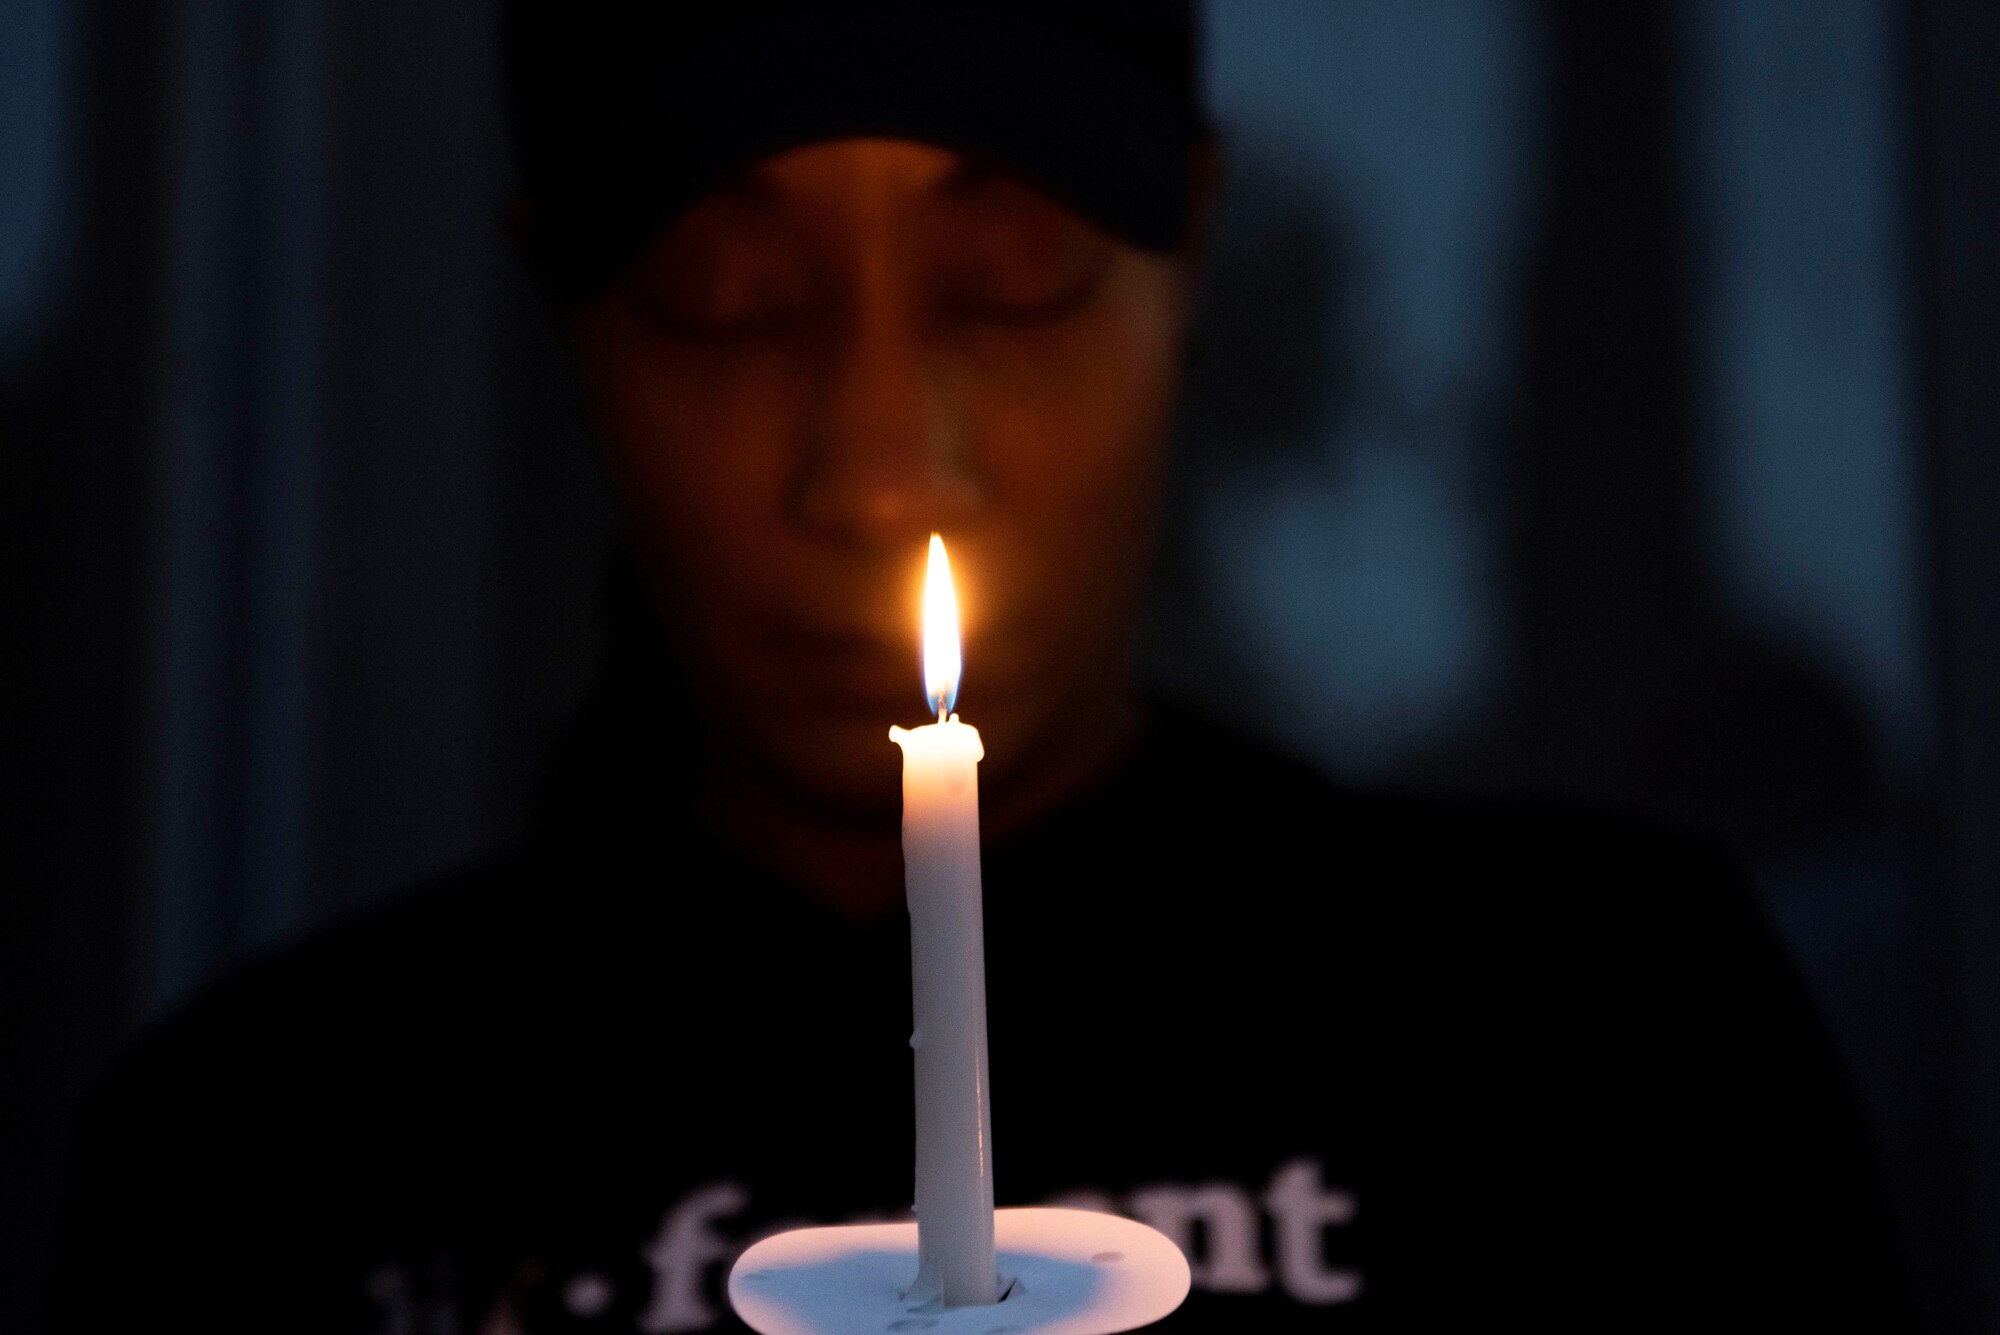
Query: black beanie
{"points": [[623, 114]]}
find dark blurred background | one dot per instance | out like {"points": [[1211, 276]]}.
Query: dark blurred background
{"points": [[1593, 400]]}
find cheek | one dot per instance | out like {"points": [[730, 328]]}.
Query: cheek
{"points": [[695, 441], [1073, 414], [1073, 424], [1072, 429]]}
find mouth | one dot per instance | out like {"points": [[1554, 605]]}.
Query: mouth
{"points": [[848, 671]]}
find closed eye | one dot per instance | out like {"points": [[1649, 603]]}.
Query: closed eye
{"points": [[1001, 251]]}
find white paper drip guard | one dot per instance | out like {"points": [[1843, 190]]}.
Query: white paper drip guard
{"points": [[1064, 1272]]}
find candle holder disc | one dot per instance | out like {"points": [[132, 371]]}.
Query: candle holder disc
{"points": [[1062, 1272]]}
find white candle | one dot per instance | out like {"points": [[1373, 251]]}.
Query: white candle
{"points": [[948, 972]]}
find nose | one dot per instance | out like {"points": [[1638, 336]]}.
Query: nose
{"points": [[887, 453]]}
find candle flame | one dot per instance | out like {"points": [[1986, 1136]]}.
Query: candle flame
{"points": [[941, 652]]}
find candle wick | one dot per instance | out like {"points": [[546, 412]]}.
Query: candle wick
{"points": [[941, 700]]}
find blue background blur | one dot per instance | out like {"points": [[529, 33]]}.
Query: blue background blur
{"points": [[1591, 400]]}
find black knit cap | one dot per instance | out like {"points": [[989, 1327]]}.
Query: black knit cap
{"points": [[623, 114]]}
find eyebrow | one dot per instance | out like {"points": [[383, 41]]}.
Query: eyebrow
{"points": [[973, 173], [749, 184]]}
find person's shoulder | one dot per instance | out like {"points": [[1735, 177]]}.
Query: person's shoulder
{"points": [[1579, 922], [312, 1100], [1521, 863], [1191, 760], [368, 988]]}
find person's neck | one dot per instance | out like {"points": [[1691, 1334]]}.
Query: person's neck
{"points": [[853, 864]]}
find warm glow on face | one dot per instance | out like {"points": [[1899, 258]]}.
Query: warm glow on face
{"points": [[941, 652]]}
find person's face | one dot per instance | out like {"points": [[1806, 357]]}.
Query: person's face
{"points": [[850, 346]]}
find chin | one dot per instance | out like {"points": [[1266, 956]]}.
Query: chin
{"points": [[846, 765]]}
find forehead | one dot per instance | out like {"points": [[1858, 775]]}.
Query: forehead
{"points": [[864, 175]]}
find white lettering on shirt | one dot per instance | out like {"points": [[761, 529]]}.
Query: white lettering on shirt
{"points": [[1227, 1262], [1218, 1224], [683, 1249], [1303, 1209]]}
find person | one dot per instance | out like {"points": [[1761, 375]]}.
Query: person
{"points": [[834, 277]]}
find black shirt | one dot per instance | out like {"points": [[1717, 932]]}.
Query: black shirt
{"points": [[1376, 1064]]}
